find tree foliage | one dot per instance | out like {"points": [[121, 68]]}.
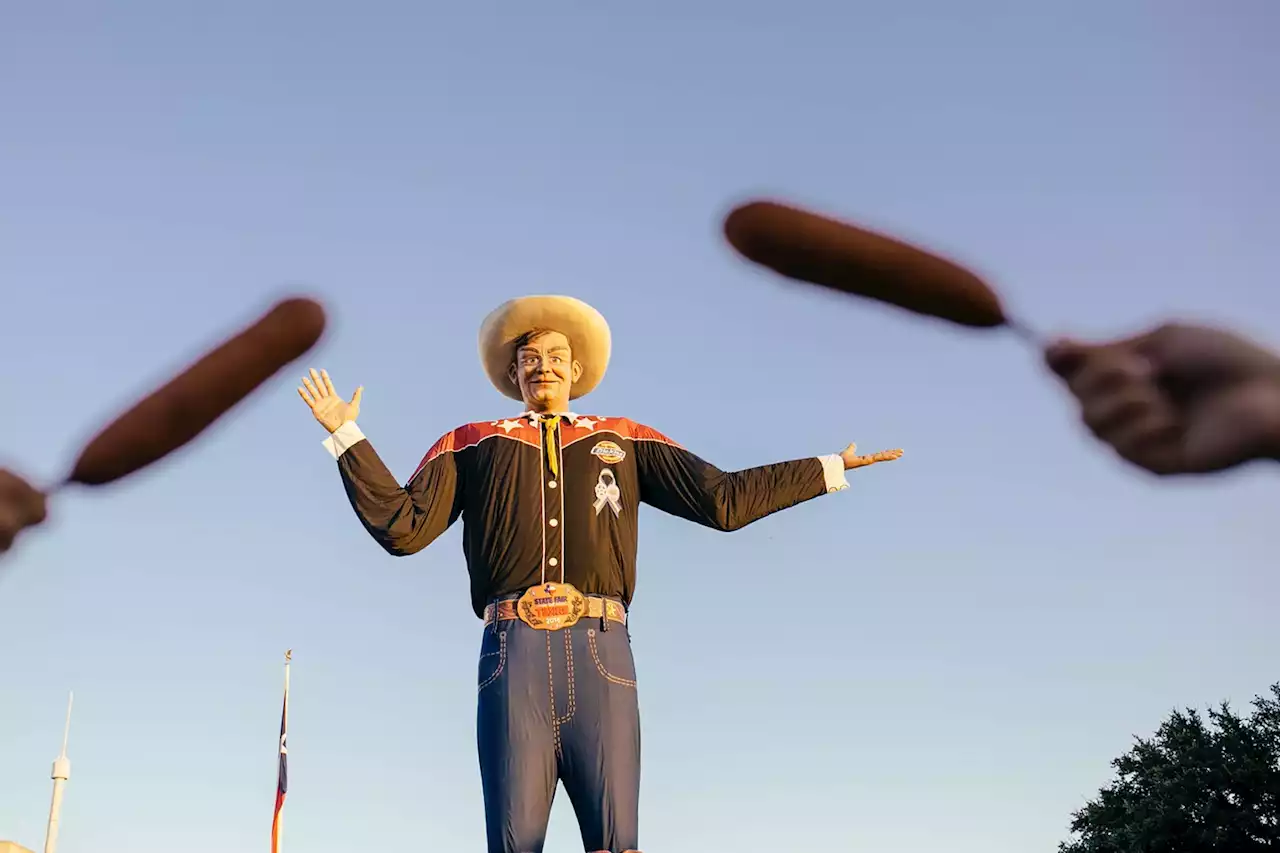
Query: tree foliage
{"points": [[1198, 786]]}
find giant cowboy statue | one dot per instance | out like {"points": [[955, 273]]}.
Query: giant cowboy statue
{"points": [[549, 502]]}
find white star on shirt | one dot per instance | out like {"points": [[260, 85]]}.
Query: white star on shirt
{"points": [[585, 423], [507, 425]]}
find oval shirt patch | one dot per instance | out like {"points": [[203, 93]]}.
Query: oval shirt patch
{"points": [[609, 453]]}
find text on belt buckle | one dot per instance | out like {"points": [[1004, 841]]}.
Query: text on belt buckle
{"points": [[551, 606]]}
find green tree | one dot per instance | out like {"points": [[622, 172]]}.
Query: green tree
{"points": [[1197, 786]]}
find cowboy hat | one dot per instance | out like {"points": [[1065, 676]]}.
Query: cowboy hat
{"points": [[584, 326]]}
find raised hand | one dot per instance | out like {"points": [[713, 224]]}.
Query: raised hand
{"points": [[1178, 399], [328, 408], [853, 460]]}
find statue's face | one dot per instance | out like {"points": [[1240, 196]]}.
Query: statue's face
{"points": [[545, 371]]}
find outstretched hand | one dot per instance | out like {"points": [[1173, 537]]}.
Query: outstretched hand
{"points": [[328, 408], [853, 460]]}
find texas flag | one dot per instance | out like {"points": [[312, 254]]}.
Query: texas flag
{"points": [[282, 776]]}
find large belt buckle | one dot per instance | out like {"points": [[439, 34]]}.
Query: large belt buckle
{"points": [[551, 606]]}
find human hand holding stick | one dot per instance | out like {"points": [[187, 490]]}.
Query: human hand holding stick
{"points": [[21, 506], [1178, 399]]}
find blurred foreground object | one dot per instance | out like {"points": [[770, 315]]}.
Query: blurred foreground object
{"points": [[841, 256], [1198, 786], [189, 403], [21, 506], [178, 411], [1180, 399]]}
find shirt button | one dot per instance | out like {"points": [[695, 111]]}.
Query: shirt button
{"points": [[553, 522], [552, 561], [551, 484]]}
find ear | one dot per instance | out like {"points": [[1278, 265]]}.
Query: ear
{"points": [[577, 371], [513, 375]]}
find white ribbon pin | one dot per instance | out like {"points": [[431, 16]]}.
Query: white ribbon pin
{"points": [[607, 492]]}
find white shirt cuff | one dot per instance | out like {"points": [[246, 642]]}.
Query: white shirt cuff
{"points": [[342, 439], [833, 472]]}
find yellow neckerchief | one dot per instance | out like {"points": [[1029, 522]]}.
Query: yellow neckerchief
{"points": [[550, 440]]}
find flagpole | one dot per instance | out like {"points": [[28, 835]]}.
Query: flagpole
{"points": [[277, 822]]}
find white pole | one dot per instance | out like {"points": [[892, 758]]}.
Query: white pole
{"points": [[61, 773]]}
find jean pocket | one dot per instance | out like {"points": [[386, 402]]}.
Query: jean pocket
{"points": [[611, 654], [492, 663]]}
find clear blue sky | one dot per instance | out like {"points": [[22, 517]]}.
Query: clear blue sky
{"points": [[978, 628]]}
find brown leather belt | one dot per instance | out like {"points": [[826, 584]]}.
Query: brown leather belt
{"points": [[597, 608]]}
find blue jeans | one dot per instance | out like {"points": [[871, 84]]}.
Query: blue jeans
{"points": [[558, 706]]}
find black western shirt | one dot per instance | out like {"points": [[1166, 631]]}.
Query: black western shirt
{"points": [[559, 504]]}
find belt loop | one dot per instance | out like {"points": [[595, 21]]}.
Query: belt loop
{"points": [[604, 615]]}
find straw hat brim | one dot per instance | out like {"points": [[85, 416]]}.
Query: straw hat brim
{"points": [[584, 326]]}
